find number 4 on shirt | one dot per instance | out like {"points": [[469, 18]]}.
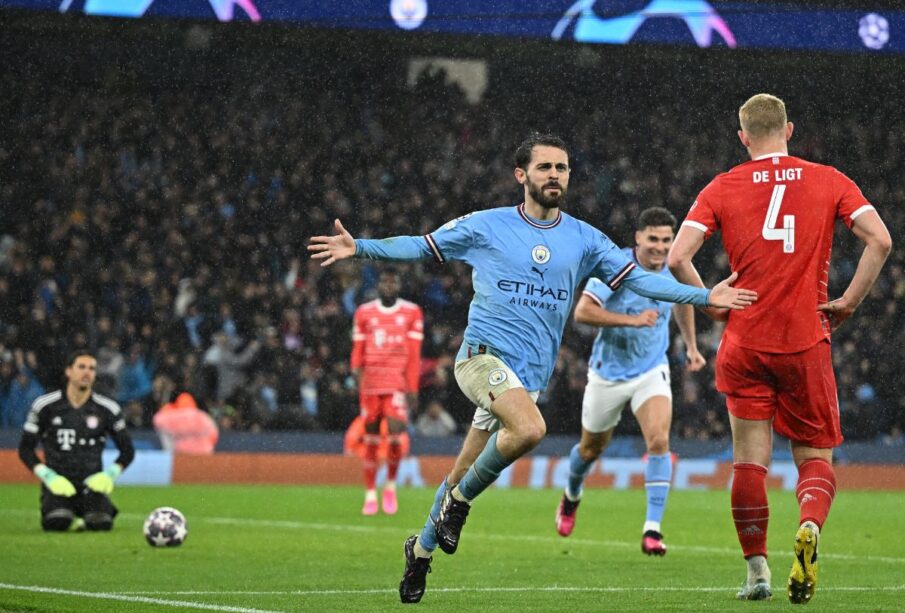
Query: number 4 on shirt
{"points": [[786, 233]]}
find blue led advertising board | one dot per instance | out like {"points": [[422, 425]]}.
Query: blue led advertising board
{"points": [[666, 22]]}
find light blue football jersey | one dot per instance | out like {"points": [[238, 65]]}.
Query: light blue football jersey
{"points": [[525, 274], [621, 353]]}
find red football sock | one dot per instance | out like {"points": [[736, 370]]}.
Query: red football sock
{"points": [[372, 442], [394, 456], [749, 507], [816, 490]]}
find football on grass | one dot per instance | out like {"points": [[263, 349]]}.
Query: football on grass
{"points": [[165, 527]]}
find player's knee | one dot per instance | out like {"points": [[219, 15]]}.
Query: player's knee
{"points": [[589, 452], [532, 434], [658, 444], [57, 521], [98, 521]]}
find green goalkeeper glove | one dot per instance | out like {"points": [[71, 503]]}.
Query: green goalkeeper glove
{"points": [[57, 484], [102, 482]]}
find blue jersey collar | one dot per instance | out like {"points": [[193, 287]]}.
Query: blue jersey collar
{"points": [[533, 222]]}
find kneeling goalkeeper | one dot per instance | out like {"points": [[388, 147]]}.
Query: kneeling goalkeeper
{"points": [[72, 426]]}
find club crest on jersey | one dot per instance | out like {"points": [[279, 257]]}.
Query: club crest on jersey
{"points": [[497, 376], [540, 254], [92, 422]]}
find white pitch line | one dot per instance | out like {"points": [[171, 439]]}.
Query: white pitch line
{"points": [[297, 525], [551, 588], [131, 598], [523, 537]]}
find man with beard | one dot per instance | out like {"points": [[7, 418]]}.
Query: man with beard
{"points": [[72, 426], [527, 261], [386, 362]]}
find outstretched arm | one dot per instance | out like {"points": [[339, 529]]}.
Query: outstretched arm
{"points": [[658, 287], [332, 248], [877, 244], [342, 246]]}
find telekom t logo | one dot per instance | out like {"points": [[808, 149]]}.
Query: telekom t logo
{"points": [[66, 438]]}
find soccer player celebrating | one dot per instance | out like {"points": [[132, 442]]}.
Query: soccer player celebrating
{"points": [[72, 426], [776, 213], [386, 361], [628, 365], [527, 261]]}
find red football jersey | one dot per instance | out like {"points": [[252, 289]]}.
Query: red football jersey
{"points": [[776, 214], [386, 344]]}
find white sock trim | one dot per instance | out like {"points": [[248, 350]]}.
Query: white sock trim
{"points": [[812, 526], [758, 570], [570, 496]]}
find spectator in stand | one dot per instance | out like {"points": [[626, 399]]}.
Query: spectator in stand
{"points": [[22, 392], [110, 362], [435, 421], [230, 364], [134, 377], [184, 428]]}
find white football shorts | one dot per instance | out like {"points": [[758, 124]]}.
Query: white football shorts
{"points": [[604, 400], [482, 378]]}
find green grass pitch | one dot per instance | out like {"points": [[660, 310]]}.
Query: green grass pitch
{"points": [[262, 548]]}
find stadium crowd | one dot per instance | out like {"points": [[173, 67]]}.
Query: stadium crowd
{"points": [[163, 227]]}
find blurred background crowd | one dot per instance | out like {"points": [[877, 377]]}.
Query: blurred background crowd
{"points": [[157, 198]]}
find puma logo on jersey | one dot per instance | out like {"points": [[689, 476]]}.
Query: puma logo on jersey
{"points": [[540, 272]]}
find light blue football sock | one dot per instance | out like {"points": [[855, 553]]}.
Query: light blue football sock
{"points": [[657, 476], [484, 471], [578, 470], [428, 536]]}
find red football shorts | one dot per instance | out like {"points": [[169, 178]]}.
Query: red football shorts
{"points": [[376, 406], [796, 390]]}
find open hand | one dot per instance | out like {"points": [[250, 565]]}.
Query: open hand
{"points": [[332, 248], [725, 296]]}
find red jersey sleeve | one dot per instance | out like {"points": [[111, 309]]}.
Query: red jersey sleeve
{"points": [[414, 338], [704, 213], [850, 202], [358, 341]]}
